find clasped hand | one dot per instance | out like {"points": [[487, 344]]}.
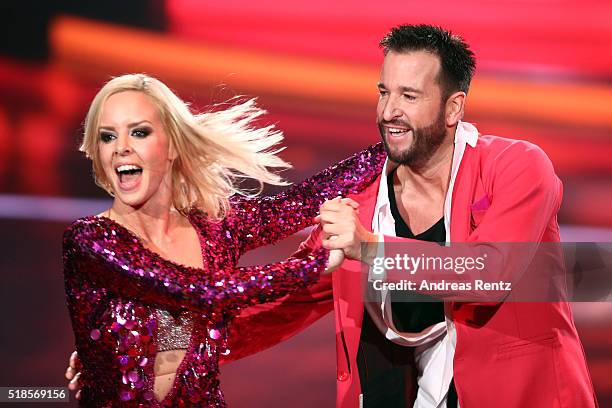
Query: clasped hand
{"points": [[342, 229]]}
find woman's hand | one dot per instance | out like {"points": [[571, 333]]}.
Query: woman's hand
{"points": [[336, 257], [73, 374]]}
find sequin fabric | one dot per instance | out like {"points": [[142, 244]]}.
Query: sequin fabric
{"points": [[173, 333], [114, 286]]}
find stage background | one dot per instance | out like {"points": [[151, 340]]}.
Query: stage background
{"points": [[544, 75]]}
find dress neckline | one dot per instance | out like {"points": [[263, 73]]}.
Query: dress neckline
{"points": [[134, 237]]}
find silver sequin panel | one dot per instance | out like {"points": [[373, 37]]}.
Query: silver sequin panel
{"points": [[173, 334]]}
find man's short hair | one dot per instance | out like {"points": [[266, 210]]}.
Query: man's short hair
{"points": [[456, 59]]}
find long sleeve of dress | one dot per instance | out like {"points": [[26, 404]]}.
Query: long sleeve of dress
{"points": [[112, 259], [264, 220]]}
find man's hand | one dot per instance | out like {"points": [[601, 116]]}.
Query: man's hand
{"points": [[73, 375], [342, 228]]}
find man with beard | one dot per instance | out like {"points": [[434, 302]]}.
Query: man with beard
{"points": [[443, 182]]}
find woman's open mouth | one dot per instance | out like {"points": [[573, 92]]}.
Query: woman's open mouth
{"points": [[129, 176]]}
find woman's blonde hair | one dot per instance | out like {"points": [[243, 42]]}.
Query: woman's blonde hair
{"points": [[214, 149]]}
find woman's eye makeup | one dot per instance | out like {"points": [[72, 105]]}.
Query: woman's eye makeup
{"points": [[141, 132], [106, 137]]}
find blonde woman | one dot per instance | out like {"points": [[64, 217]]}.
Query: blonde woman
{"points": [[152, 282]]}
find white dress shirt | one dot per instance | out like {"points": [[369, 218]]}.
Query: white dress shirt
{"points": [[435, 345]]}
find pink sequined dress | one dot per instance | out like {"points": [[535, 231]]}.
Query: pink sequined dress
{"points": [[116, 288]]}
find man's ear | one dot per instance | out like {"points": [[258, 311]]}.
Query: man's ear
{"points": [[454, 109]]}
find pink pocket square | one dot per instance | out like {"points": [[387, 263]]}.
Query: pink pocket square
{"points": [[481, 204]]}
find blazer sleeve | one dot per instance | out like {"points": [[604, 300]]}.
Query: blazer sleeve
{"points": [[263, 326]]}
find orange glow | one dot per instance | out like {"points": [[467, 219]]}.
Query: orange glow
{"points": [[88, 47]]}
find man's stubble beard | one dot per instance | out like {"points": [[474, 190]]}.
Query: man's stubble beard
{"points": [[425, 142]]}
